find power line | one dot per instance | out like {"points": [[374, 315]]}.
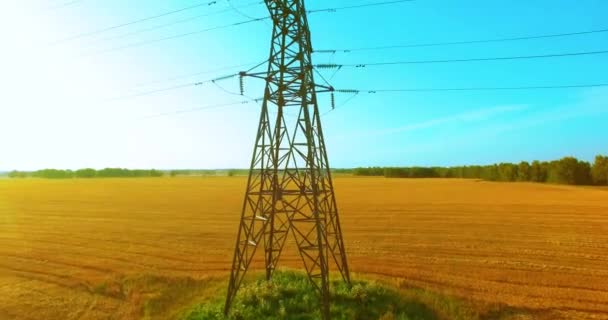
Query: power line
{"points": [[363, 65], [215, 106], [147, 93], [357, 92], [237, 10], [182, 35], [179, 21], [87, 34], [188, 75], [192, 84], [358, 6], [400, 46], [62, 5], [181, 86], [574, 86], [177, 36]]}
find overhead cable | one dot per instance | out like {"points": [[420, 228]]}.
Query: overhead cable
{"points": [[450, 43], [387, 63], [90, 33]]}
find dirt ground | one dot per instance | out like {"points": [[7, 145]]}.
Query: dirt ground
{"points": [[66, 246]]}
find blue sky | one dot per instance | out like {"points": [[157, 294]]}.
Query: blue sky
{"points": [[57, 108]]}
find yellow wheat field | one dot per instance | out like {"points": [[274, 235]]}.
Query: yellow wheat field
{"points": [[64, 244]]}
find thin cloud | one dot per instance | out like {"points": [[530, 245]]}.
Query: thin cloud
{"points": [[470, 116], [592, 102]]}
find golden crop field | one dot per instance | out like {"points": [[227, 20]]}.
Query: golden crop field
{"points": [[75, 249]]}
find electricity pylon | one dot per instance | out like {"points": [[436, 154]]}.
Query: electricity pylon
{"points": [[290, 189]]}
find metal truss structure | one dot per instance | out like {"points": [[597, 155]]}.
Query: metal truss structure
{"points": [[290, 189]]}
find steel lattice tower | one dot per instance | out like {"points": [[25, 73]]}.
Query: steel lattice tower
{"points": [[290, 189]]}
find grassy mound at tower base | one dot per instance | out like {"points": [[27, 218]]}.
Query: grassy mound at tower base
{"points": [[290, 296]]}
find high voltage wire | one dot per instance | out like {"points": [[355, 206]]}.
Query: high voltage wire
{"points": [[370, 91], [363, 65], [214, 106], [182, 76], [400, 46], [357, 92], [181, 86], [574, 86], [147, 93], [87, 34], [360, 65], [179, 21], [236, 9], [177, 36], [192, 84], [330, 66], [182, 35], [62, 5], [358, 6]]}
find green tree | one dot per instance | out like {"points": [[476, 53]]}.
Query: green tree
{"points": [[538, 171], [570, 170], [53, 174], [599, 171], [17, 174], [85, 173], [370, 171], [523, 171], [155, 173], [583, 173], [443, 172], [473, 172], [507, 172], [490, 173]]}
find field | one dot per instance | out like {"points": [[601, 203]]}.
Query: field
{"points": [[115, 248]]}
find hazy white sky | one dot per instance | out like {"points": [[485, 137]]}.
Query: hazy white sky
{"points": [[57, 110]]}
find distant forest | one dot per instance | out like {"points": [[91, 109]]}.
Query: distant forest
{"points": [[568, 170], [121, 173], [86, 173]]}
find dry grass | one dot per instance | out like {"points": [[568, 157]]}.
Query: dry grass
{"points": [[103, 249]]}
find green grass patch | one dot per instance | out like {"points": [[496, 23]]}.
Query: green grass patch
{"points": [[289, 295]]}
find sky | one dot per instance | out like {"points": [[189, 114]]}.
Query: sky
{"points": [[77, 93]]}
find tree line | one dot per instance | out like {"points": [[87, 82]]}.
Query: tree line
{"points": [[87, 173], [208, 172], [567, 170]]}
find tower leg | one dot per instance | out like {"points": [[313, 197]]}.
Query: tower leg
{"points": [[334, 239], [256, 208]]}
